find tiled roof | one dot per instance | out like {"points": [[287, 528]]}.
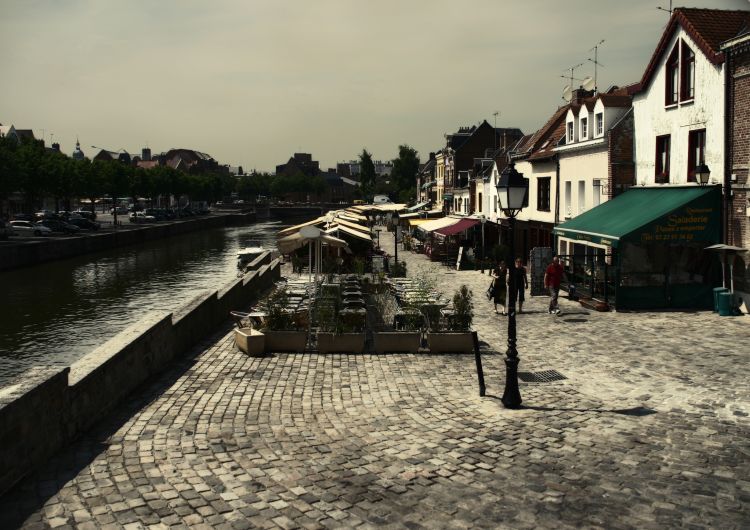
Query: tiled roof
{"points": [[707, 27], [538, 137], [550, 143]]}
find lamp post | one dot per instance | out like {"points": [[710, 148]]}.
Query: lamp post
{"points": [[512, 192], [702, 173], [394, 219], [483, 219]]}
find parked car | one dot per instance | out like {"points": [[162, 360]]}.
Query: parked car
{"points": [[121, 210], [57, 225], [6, 230], [23, 217], [46, 214], [27, 228], [142, 217], [86, 214], [84, 224]]}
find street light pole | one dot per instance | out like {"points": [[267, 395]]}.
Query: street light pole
{"points": [[395, 238], [512, 191], [512, 394], [483, 220]]}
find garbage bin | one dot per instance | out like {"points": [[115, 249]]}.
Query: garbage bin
{"points": [[718, 290], [725, 304]]}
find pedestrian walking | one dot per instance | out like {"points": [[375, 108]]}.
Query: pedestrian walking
{"points": [[522, 283], [499, 283], [552, 278]]}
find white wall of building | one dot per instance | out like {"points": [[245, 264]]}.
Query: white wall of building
{"points": [[652, 118], [581, 169], [534, 171]]}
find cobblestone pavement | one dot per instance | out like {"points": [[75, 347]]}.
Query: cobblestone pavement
{"points": [[648, 430]]}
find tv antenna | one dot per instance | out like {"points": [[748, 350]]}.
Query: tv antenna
{"points": [[496, 114], [596, 62], [572, 70], [667, 10]]}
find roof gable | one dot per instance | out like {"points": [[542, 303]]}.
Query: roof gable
{"points": [[707, 27]]}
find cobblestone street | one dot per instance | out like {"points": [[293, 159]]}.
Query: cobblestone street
{"points": [[649, 429]]}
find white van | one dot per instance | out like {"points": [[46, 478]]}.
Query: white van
{"points": [[381, 199]]}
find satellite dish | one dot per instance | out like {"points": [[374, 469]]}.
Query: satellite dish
{"points": [[567, 94], [588, 83]]}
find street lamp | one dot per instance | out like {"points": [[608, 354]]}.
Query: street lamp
{"points": [[512, 194], [394, 219], [702, 173], [483, 220]]}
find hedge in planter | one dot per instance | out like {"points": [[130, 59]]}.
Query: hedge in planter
{"points": [[281, 332], [457, 338]]}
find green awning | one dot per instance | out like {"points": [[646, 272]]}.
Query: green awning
{"points": [[666, 214], [428, 185]]}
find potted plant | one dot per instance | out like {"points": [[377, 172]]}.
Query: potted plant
{"points": [[457, 338], [406, 335], [339, 330], [282, 333]]}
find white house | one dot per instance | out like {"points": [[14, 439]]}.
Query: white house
{"points": [[679, 105]]}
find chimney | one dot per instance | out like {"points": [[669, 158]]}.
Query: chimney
{"points": [[146, 154], [579, 94], [56, 146], [432, 156]]}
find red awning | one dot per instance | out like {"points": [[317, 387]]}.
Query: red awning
{"points": [[460, 226]]}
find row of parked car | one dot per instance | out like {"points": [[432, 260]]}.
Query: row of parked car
{"points": [[152, 215], [45, 223]]}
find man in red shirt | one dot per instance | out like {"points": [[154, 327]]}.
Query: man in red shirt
{"points": [[552, 278]]}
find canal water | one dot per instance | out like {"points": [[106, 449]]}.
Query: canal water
{"points": [[53, 314]]}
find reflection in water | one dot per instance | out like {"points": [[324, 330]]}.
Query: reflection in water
{"points": [[57, 312]]}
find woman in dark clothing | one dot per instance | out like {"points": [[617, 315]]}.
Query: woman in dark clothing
{"points": [[500, 275]]}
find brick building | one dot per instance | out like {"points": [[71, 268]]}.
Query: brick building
{"points": [[737, 52]]}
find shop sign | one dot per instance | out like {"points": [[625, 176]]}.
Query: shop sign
{"points": [[687, 224]]}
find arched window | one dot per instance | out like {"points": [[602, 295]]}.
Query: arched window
{"points": [[672, 81], [687, 67]]}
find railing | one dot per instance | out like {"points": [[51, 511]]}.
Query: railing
{"points": [[590, 276]]}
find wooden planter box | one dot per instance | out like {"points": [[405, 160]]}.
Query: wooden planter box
{"points": [[251, 341], [341, 343], [285, 341], [397, 341], [450, 342]]}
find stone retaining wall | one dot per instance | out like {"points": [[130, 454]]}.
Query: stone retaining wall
{"points": [[33, 252], [51, 407]]}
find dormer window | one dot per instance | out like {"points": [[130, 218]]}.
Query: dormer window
{"points": [[600, 124], [584, 128], [673, 71], [687, 66], [570, 132]]}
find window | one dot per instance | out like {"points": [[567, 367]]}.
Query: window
{"points": [[599, 124], [597, 193], [480, 203], [673, 70], [568, 188], [696, 151], [662, 160], [570, 132], [494, 203], [687, 68], [542, 195], [584, 128], [581, 196]]}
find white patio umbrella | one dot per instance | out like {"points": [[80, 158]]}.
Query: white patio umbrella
{"points": [[727, 251], [308, 235]]}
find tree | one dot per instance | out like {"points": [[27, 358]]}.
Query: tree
{"points": [[367, 174], [404, 174]]}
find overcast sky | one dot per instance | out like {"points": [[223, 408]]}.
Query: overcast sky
{"points": [[250, 82]]}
